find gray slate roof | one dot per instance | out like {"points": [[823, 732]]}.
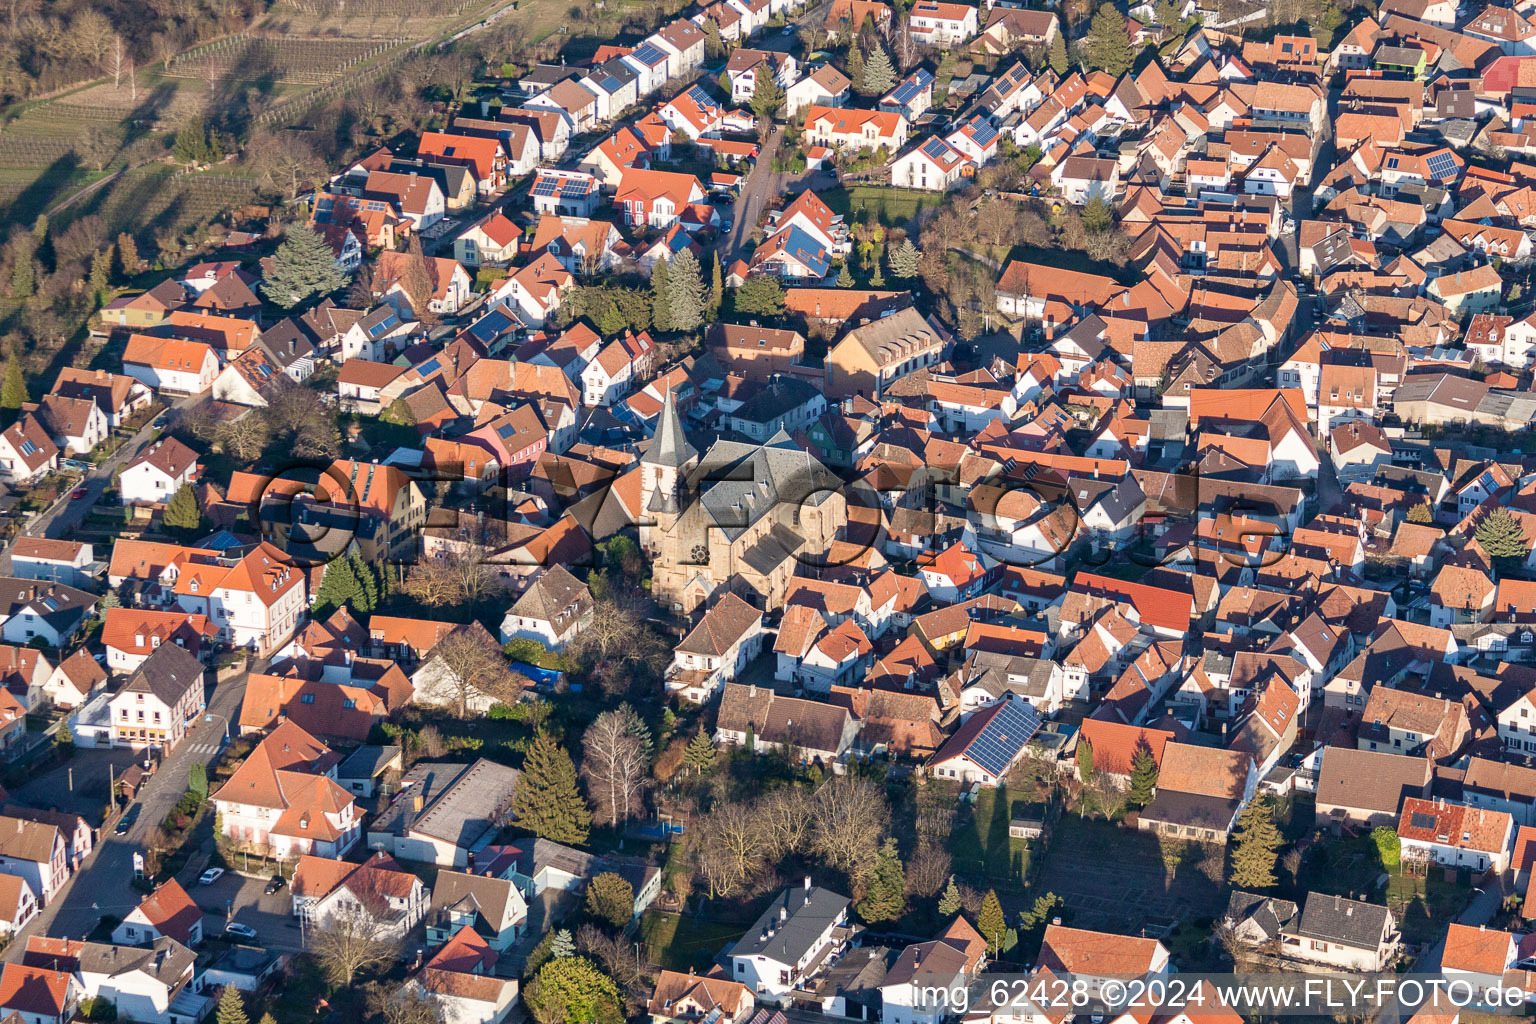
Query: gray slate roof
{"points": [[1341, 920], [790, 926]]}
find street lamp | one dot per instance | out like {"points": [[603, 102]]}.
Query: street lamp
{"points": [[210, 716]]}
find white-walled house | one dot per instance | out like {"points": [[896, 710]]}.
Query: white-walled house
{"points": [[802, 927], [158, 472], [728, 637], [553, 611]]}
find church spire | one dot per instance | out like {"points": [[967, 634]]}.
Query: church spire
{"points": [[669, 447]]}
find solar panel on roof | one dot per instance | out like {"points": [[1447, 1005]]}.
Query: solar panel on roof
{"points": [[546, 186], [430, 366], [1442, 165], [700, 97], [935, 149], [576, 187], [983, 132], [1421, 820], [1001, 739], [648, 54]]}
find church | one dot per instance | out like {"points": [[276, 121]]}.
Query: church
{"points": [[743, 517]]}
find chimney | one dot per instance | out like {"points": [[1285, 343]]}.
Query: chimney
{"points": [[416, 803], [807, 883], [783, 914]]}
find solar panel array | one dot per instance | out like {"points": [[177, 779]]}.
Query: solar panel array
{"points": [[649, 54], [547, 186], [700, 97], [1421, 820], [982, 131], [1442, 165], [574, 188], [1001, 739], [936, 149]]}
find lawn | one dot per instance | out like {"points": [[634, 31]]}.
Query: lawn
{"points": [[891, 206], [981, 847], [677, 943], [1424, 905]]}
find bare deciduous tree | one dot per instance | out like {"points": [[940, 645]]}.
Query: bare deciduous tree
{"points": [[785, 815], [731, 848], [354, 938], [849, 820], [614, 766], [475, 665]]}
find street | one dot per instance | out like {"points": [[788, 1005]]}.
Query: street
{"points": [[64, 515], [101, 886]]}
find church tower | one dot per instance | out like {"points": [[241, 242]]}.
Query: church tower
{"points": [[662, 471]]}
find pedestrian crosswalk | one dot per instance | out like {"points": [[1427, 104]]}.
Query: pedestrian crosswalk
{"points": [[203, 749]]}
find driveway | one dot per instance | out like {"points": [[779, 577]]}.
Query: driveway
{"points": [[102, 885], [237, 897], [761, 186]]}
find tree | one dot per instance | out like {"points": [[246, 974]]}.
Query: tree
{"points": [[885, 899], [182, 511], [1085, 769], [562, 945], [356, 937], [855, 68], [1501, 535], [700, 754], [848, 819], [1421, 514], [760, 295], [127, 254], [611, 321], [339, 588], [23, 254], [903, 259], [101, 272], [716, 288], [1097, 216], [231, 1007], [950, 902], [732, 846], [685, 291], [13, 392], [475, 666], [408, 1004], [545, 951], [1255, 846], [844, 278], [63, 736], [1107, 46], [611, 898], [571, 990], [614, 765], [1058, 57], [197, 779], [1388, 845], [1143, 774], [661, 296], [303, 268], [548, 803], [767, 95], [879, 73], [416, 280], [991, 922]]}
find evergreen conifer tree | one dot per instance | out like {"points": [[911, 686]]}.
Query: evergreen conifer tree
{"points": [[885, 899], [1143, 775], [127, 254], [903, 259], [182, 511], [685, 291], [548, 802], [339, 588], [303, 268], [1058, 58], [1085, 769], [844, 277], [991, 923], [13, 392], [1501, 535], [949, 900], [1256, 844], [231, 1007], [879, 74], [700, 753], [1107, 46], [661, 296]]}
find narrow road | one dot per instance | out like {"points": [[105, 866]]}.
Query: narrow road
{"points": [[101, 886], [64, 515], [760, 187]]}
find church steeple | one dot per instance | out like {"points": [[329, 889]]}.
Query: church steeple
{"points": [[665, 460], [669, 447]]}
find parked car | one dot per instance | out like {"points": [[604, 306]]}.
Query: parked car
{"points": [[125, 823], [77, 493], [243, 931], [210, 876], [275, 884]]}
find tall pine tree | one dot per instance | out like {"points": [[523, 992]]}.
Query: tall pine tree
{"points": [[885, 899], [903, 259], [661, 296], [699, 755], [303, 268], [685, 291], [1143, 775], [231, 1007], [1058, 57], [1107, 46], [368, 586], [879, 73], [1085, 769], [1501, 536], [339, 588], [1256, 845], [716, 288], [548, 804], [991, 922]]}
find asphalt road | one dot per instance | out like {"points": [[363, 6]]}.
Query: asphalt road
{"points": [[102, 885], [64, 515]]}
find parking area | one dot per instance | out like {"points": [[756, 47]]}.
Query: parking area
{"points": [[80, 785], [235, 897]]}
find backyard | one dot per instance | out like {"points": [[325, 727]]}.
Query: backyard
{"points": [[981, 848], [893, 207], [678, 942]]}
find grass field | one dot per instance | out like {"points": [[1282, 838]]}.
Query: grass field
{"points": [[677, 943], [891, 206], [981, 847]]}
